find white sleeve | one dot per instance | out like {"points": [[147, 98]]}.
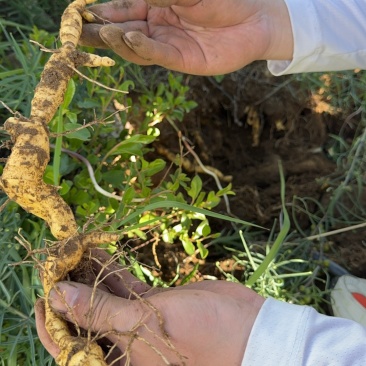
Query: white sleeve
{"points": [[329, 35], [286, 334]]}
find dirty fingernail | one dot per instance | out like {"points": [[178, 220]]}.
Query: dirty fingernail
{"points": [[111, 34]]}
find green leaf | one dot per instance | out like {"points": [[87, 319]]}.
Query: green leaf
{"points": [[132, 145], [128, 195], [146, 192], [91, 206], [168, 236], [82, 134], [88, 104], [212, 200], [72, 117], [153, 131], [190, 275], [69, 94], [148, 217], [65, 187], [126, 84], [142, 139], [141, 234], [67, 165], [188, 106], [200, 199], [79, 197], [82, 180], [178, 228], [154, 167], [187, 244], [114, 177], [48, 174], [202, 249], [160, 90], [196, 186], [203, 229], [198, 215], [226, 190]]}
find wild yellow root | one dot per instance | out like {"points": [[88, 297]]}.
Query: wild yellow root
{"points": [[22, 180], [75, 351], [22, 177]]}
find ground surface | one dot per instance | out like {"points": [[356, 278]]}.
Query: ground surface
{"points": [[242, 126]]}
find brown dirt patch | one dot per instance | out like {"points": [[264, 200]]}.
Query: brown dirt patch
{"points": [[288, 125]]}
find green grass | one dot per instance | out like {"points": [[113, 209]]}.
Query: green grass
{"points": [[19, 285]]}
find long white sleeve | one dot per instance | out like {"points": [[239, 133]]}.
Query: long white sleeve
{"points": [[292, 335], [329, 35]]}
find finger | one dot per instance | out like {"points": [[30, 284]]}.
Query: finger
{"points": [[114, 37], [154, 52], [90, 35], [44, 337], [119, 281], [94, 309], [119, 11], [136, 47]]}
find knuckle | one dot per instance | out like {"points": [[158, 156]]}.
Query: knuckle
{"points": [[99, 311]]}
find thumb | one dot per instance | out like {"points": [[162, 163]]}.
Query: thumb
{"points": [[94, 309]]}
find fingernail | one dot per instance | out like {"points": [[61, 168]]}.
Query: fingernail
{"points": [[127, 38], [110, 34], [63, 297]]}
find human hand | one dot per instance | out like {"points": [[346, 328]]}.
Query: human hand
{"points": [[204, 323], [203, 37]]}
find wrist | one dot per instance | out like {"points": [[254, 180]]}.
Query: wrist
{"points": [[279, 31], [252, 311]]}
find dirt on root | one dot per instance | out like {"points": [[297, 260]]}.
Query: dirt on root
{"points": [[242, 127]]}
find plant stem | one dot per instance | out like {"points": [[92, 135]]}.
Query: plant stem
{"points": [[57, 151]]}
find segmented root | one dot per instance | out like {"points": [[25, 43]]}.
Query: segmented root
{"points": [[89, 354], [50, 91], [64, 258], [71, 22], [22, 178], [88, 16], [22, 181], [95, 61]]}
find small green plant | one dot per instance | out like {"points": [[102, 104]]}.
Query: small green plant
{"points": [[279, 268]]}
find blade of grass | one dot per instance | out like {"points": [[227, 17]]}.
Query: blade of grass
{"points": [[69, 94], [247, 251], [57, 151], [280, 238], [186, 207]]}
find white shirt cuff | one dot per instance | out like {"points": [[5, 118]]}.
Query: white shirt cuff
{"points": [[285, 334], [328, 36]]}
